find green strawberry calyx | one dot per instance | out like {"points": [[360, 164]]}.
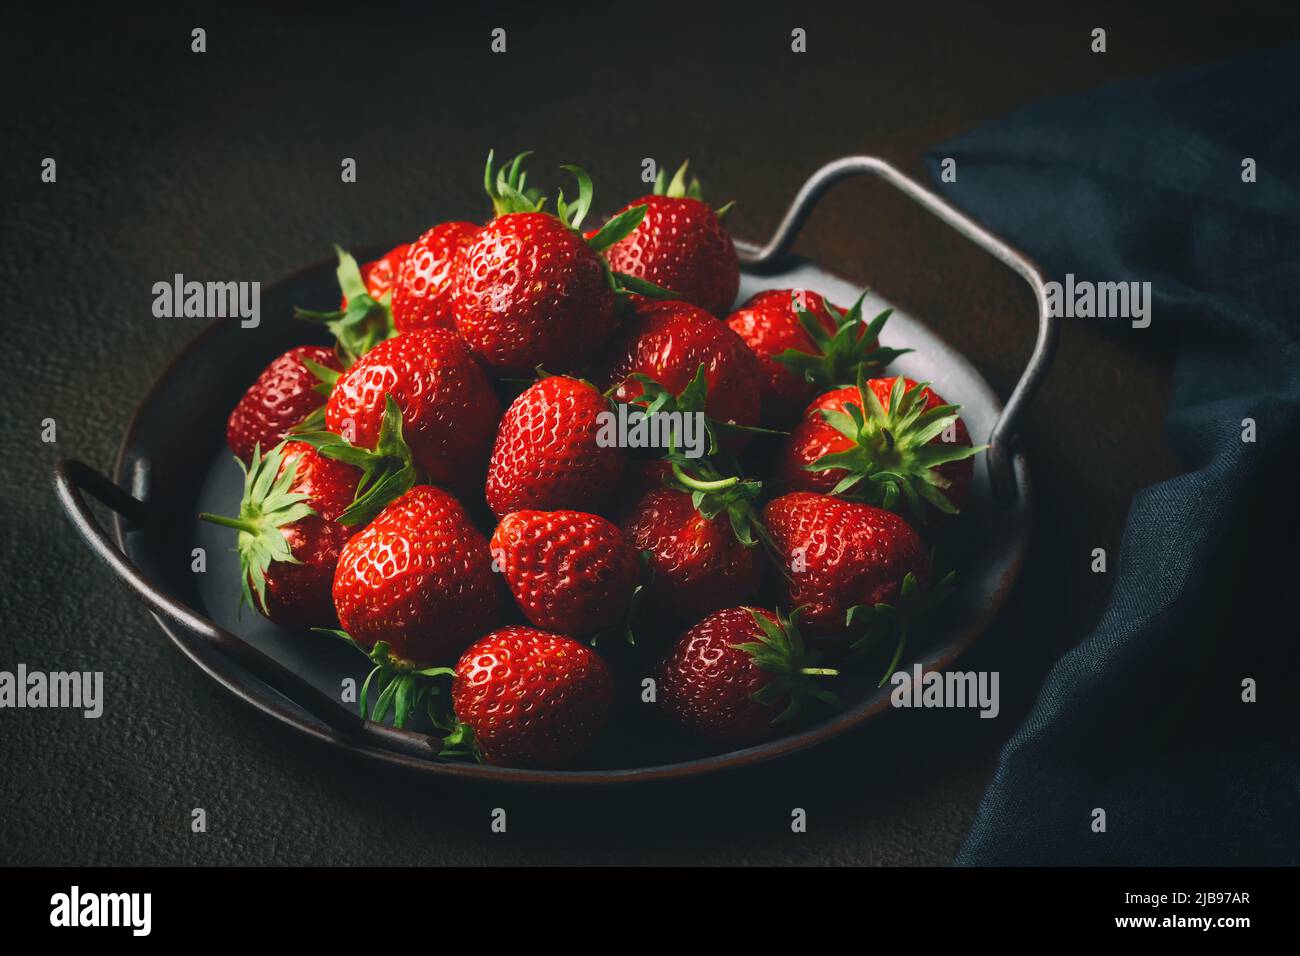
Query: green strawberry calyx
{"points": [[625, 284], [712, 480], [622, 225], [656, 399], [680, 188], [780, 650], [326, 379], [572, 214], [404, 689], [713, 494], [509, 195], [387, 472], [508, 189], [615, 229], [881, 624], [840, 355], [892, 455], [268, 504], [364, 323]]}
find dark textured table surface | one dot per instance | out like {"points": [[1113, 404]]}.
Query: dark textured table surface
{"points": [[226, 164]]}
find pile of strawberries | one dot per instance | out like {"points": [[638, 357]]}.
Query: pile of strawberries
{"points": [[435, 488]]}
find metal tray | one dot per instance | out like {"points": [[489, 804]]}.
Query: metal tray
{"points": [[173, 463]]}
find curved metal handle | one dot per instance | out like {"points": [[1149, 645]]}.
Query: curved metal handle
{"points": [[1001, 474], [72, 477]]}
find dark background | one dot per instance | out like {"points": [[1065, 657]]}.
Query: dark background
{"points": [[226, 165]]}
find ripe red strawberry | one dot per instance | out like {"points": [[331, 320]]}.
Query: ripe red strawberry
{"points": [[839, 555], [530, 698], [879, 441], [668, 342], [805, 345], [681, 245], [529, 291], [380, 275], [284, 394], [418, 579], [547, 454], [569, 571], [448, 408], [738, 675], [422, 284], [289, 534], [701, 557]]}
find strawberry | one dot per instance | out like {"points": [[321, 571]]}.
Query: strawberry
{"points": [[838, 555], [418, 580], [448, 408], [380, 276], [668, 342], [422, 284], [290, 537], [700, 535], [881, 440], [569, 571], [738, 675], [680, 245], [547, 454], [805, 345], [531, 698], [284, 394], [529, 290]]}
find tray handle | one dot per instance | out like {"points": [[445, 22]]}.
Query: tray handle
{"points": [[72, 477], [1000, 455]]}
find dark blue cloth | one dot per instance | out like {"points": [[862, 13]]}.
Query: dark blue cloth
{"points": [[1142, 181]]}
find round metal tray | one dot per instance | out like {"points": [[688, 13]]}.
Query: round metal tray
{"points": [[173, 464]]}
